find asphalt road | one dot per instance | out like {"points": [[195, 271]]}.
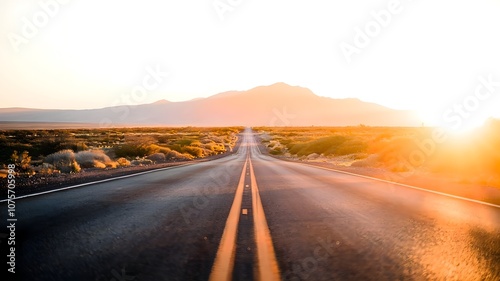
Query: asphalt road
{"points": [[322, 225]]}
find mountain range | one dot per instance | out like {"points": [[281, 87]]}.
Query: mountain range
{"points": [[275, 105]]}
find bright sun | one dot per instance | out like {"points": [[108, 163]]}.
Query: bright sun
{"points": [[454, 124], [464, 127]]}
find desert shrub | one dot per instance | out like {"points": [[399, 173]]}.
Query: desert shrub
{"points": [[394, 153], [196, 143], [129, 150], [160, 149], [175, 155], [350, 147], [98, 164], [141, 162], [62, 158], [194, 151], [123, 162], [156, 157], [132, 150], [330, 145], [164, 138], [276, 151], [139, 150], [93, 159], [23, 161], [214, 147], [74, 167], [45, 169], [285, 141], [64, 161], [87, 156], [184, 142]]}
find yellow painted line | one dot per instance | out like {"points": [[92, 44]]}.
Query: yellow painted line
{"points": [[222, 270], [268, 269]]}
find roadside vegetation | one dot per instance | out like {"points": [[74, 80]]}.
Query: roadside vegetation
{"points": [[472, 157], [73, 150]]}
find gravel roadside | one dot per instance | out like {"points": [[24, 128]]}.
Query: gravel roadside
{"points": [[39, 183]]}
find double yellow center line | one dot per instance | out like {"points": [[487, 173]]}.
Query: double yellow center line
{"points": [[266, 265]]}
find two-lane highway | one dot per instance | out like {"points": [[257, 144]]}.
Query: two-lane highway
{"points": [[249, 216]]}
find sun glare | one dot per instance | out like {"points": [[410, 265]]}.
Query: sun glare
{"points": [[463, 128], [453, 123]]}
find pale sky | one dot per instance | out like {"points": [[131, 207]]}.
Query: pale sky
{"points": [[426, 56]]}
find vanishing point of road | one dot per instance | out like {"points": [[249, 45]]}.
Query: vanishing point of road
{"points": [[249, 216]]}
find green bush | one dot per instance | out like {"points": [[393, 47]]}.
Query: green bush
{"points": [[175, 155], [194, 151], [139, 150], [331, 145], [184, 142]]}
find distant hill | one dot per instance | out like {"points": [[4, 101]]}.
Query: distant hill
{"points": [[276, 105]]}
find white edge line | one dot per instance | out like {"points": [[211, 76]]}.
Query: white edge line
{"points": [[400, 184], [96, 182]]}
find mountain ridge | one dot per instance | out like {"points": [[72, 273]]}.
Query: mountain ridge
{"points": [[278, 104]]}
